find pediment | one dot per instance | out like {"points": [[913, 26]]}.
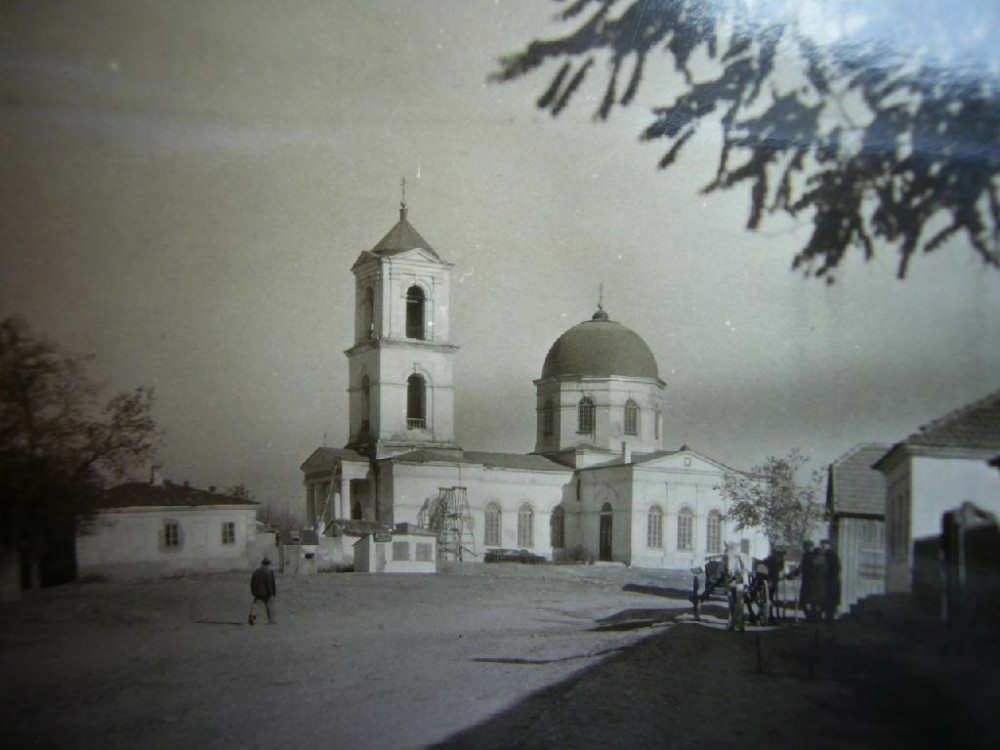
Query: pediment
{"points": [[687, 461], [418, 255]]}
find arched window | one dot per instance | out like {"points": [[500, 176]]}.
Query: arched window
{"points": [[558, 524], [685, 528], [368, 314], [491, 529], [415, 403], [654, 527], [366, 404], [656, 424], [585, 416], [548, 418], [713, 538], [414, 313], [525, 526], [631, 417]]}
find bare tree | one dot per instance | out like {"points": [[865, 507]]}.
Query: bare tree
{"points": [[881, 125], [59, 441]]}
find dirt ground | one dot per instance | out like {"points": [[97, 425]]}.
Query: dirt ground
{"points": [[480, 656]]}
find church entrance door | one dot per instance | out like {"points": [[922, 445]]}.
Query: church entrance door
{"points": [[604, 552]]}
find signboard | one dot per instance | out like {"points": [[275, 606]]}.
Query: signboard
{"points": [[383, 536]]}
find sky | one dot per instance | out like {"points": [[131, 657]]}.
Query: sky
{"points": [[186, 185]]}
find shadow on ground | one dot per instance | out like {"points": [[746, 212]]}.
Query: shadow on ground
{"points": [[872, 682]]}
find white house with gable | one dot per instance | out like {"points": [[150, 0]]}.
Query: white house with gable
{"points": [[144, 530]]}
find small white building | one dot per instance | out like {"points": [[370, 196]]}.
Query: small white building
{"points": [[407, 549], [938, 468], [145, 530]]}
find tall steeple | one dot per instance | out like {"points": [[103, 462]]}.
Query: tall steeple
{"points": [[401, 387]]}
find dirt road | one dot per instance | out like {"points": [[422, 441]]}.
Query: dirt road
{"points": [[485, 656]]}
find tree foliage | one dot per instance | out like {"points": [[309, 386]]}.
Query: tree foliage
{"points": [[772, 498], [882, 130], [59, 441]]}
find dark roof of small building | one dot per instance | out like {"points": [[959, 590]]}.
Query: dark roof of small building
{"points": [[854, 486], [412, 529], [490, 460], [355, 527], [976, 425], [323, 456], [165, 495], [600, 347]]}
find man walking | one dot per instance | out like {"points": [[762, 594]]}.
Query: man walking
{"points": [[263, 588]]}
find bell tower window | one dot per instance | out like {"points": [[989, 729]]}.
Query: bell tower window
{"points": [[366, 404], [415, 313], [415, 403], [368, 315]]}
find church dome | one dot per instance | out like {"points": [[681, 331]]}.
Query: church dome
{"points": [[600, 347]]}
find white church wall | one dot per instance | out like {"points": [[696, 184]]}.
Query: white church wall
{"points": [[597, 487], [414, 485]]}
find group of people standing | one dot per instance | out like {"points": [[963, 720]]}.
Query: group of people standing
{"points": [[819, 594]]}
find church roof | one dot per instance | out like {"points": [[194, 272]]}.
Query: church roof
{"points": [[600, 347], [854, 486], [487, 459], [402, 237]]}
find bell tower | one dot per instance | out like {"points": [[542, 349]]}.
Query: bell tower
{"points": [[400, 366]]}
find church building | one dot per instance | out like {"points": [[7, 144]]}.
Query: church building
{"points": [[598, 485]]}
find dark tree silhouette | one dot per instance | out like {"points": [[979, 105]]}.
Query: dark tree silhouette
{"points": [[885, 133], [59, 442]]}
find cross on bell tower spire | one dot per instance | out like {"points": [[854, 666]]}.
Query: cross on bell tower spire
{"points": [[402, 202]]}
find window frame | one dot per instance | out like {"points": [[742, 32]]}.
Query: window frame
{"points": [[525, 526], [171, 534], [654, 527], [416, 310], [631, 425], [685, 529], [585, 416], [557, 528], [713, 525], [493, 524], [228, 539], [416, 402]]}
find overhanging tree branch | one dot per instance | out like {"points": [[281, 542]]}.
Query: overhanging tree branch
{"points": [[878, 143]]}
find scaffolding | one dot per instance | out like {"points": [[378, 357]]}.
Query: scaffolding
{"points": [[448, 515]]}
